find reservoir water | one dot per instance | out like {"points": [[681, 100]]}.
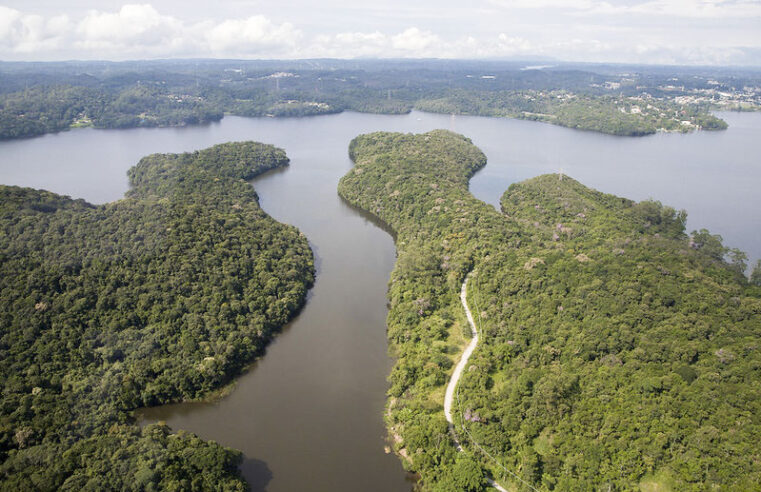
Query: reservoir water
{"points": [[309, 414]]}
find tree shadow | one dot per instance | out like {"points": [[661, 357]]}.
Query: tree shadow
{"points": [[257, 474], [369, 217]]}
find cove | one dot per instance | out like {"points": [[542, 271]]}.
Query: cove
{"points": [[308, 415]]}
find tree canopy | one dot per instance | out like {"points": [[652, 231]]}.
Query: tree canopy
{"points": [[616, 350], [160, 297]]}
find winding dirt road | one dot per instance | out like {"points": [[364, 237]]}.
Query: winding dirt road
{"points": [[449, 395], [452, 386]]}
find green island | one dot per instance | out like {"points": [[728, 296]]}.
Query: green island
{"points": [[616, 351], [162, 296]]}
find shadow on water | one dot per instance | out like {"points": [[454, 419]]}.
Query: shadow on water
{"points": [[315, 249], [258, 474], [370, 218], [270, 172]]}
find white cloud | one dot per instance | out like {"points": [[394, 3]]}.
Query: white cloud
{"points": [[130, 23], [140, 30], [546, 4], [27, 33], [670, 8], [412, 42], [687, 55], [132, 28], [513, 45], [574, 30], [349, 44], [415, 41], [9, 25], [252, 35], [711, 9]]}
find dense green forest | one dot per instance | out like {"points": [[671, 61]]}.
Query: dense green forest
{"points": [[617, 352], [42, 98], [162, 296]]}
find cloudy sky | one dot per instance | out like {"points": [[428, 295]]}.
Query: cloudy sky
{"points": [[726, 32]]}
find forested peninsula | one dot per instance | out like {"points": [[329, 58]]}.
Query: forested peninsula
{"points": [[616, 352], [162, 296]]}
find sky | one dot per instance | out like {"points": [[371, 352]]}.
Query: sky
{"points": [[685, 32]]}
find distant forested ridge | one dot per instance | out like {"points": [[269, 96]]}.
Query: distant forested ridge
{"points": [[47, 97], [617, 352], [162, 296]]}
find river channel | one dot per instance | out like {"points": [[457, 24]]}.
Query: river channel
{"points": [[308, 415]]}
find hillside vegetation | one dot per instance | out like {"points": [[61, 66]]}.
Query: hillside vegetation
{"points": [[617, 352], [160, 297]]}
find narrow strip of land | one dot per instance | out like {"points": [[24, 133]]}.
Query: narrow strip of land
{"points": [[452, 385]]}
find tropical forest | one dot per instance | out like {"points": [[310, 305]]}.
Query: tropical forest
{"points": [[162, 296], [617, 351], [449, 266]]}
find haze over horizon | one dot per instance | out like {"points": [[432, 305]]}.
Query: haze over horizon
{"points": [[681, 32]]}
